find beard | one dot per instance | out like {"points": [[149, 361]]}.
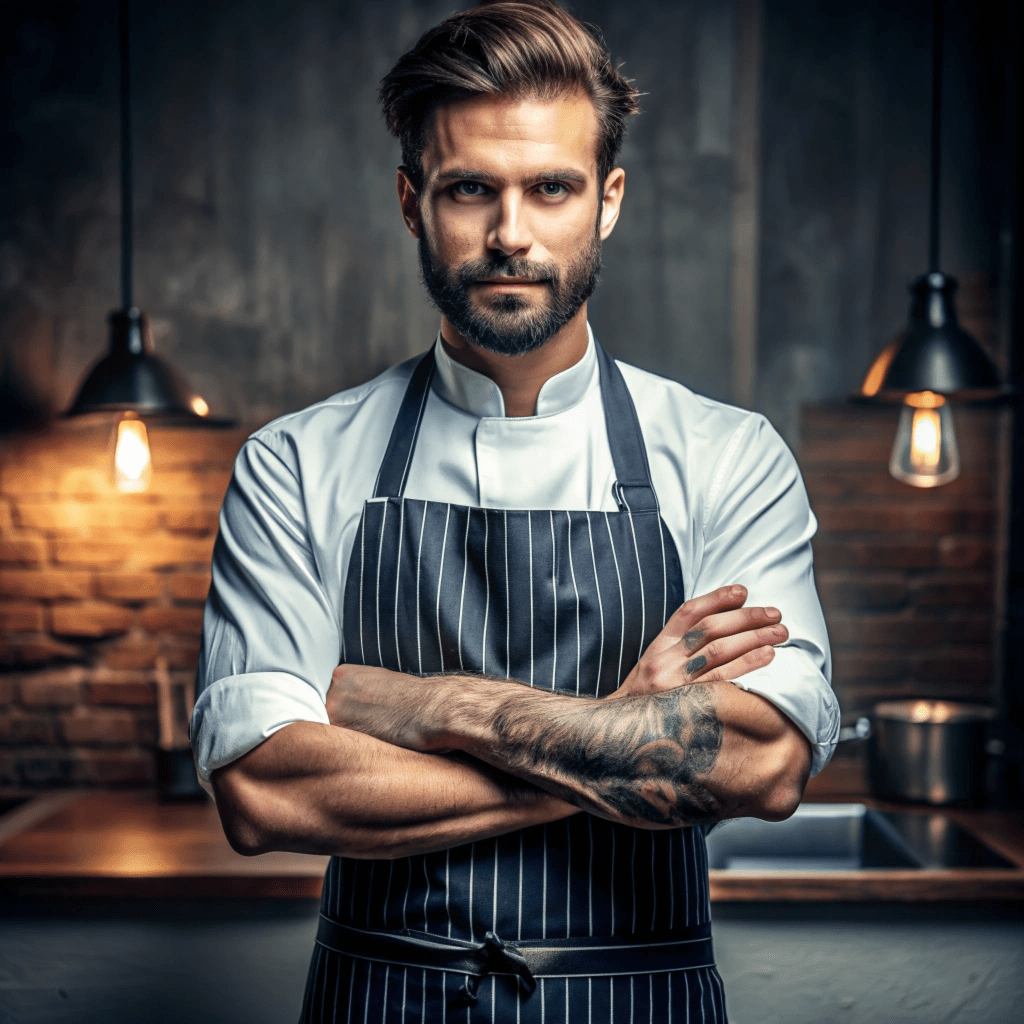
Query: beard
{"points": [[508, 324]]}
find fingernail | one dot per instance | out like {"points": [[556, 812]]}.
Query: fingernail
{"points": [[773, 613], [737, 591]]}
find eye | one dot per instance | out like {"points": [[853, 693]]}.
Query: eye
{"points": [[468, 188], [552, 189]]}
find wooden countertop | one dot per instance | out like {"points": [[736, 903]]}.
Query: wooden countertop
{"points": [[126, 843]]}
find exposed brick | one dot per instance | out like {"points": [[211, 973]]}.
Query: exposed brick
{"points": [[6, 519], [56, 688], [86, 482], [20, 617], [76, 516], [41, 650], [8, 689], [183, 655], [194, 520], [954, 520], [881, 554], [108, 553], [966, 552], [190, 586], [112, 767], [904, 630], [959, 667], [23, 551], [172, 620], [966, 593], [90, 619], [859, 518], [10, 769], [862, 592], [163, 552], [98, 727], [20, 479], [849, 663], [132, 653], [45, 767], [206, 482], [45, 584], [129, 693], [18, 728], [129, 586], [175, 448], [833, 451], [855, 485]]}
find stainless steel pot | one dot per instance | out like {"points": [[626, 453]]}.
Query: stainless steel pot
{"points": [[931, 751]]}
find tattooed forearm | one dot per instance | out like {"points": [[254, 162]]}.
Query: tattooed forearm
{"points": [[643, 760]]}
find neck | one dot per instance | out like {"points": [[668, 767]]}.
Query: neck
{"points": [[520, 378]]}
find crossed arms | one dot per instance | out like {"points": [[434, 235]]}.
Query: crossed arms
{"points": [[410, 765]]}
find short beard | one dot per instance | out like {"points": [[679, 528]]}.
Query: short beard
{"points": [[508, 326]]}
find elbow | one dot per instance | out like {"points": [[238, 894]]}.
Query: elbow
{"points": [[785, 777], [244, 816]]}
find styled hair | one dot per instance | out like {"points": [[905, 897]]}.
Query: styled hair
{"points": [[505, 48]]}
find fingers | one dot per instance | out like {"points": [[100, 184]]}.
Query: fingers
{"points": [[727, 650], [724, 624], [757, 658], [687, 617]]}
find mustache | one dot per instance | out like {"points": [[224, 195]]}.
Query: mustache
{"points": [[514, 266]]}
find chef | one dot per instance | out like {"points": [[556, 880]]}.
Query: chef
{"points": [[501, 631]]}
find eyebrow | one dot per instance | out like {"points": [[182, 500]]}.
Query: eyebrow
{"points": [[564, 174]]}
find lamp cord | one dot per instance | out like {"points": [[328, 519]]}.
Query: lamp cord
{"points": [[936, 156], [126, 155]]}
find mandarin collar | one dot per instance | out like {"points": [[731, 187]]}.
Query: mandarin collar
{"points": [[478, 395]]}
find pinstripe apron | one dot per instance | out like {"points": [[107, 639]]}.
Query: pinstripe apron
{"points": [[564, 601]]}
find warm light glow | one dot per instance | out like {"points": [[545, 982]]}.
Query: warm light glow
{"points": [[925, 453], [199, 406], [879, 368], [926, 436], [133, 465]]}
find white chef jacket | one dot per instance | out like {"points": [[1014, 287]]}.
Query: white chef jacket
{"points": [[729, 489]]}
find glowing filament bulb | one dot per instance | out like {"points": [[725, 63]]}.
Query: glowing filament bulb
{"points": [[925, 453], [133, 464], [926, 434], [199, 406]]}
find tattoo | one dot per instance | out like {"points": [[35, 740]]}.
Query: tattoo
{"points": [[694, 665], [641, 760], [693, 637]]}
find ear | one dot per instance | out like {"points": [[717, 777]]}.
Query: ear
{"points": [[409, 200], [614, 188]]}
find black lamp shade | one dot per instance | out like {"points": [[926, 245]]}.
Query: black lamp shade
{"points": [[131, 377], [935, 353]]}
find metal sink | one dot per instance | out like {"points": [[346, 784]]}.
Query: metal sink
{"points": [[846, 837]]}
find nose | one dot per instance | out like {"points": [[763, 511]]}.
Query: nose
{"points": [[510, 233]]}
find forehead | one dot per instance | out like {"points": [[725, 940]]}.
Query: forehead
{"points": [[513, 136]]}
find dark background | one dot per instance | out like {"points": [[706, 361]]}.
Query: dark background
{"points": [[272, 261]]}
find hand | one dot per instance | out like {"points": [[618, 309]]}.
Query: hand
{"points": [[707, 639]]}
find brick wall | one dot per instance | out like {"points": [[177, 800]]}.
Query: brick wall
{"points": [[907, 576], [94, 586]]}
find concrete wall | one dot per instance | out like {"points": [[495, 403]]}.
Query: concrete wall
{"points": [[245, 962], [269, 250]]}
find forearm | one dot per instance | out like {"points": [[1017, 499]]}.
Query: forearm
{"points": [[688, 755], [315, 788]]}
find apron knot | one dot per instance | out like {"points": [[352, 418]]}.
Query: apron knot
{"points": [[505, 957]]}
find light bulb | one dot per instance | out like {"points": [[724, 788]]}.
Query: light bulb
{"points": [[133, 464], [199, 406], [925, 453]]}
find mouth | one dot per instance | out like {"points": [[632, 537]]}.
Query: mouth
{"points": [[511, 282]]}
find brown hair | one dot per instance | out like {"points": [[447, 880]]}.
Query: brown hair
{"points": [[512, 48]]}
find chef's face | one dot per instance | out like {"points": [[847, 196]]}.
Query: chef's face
{"points": [[510, 216]]}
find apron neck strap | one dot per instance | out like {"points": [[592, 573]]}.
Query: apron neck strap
{"points": [[633, 489], [394, 468]]}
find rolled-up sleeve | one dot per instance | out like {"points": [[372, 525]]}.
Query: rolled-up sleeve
{"points": [[270, 634], [758, 527]]}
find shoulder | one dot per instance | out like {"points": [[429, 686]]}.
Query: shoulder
{"points": [[673, 412], [334, 426]]}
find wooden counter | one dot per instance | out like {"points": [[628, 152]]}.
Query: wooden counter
{"points": [[125, 843]]}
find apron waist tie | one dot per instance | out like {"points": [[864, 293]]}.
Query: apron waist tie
{"points": [[526, 960]]}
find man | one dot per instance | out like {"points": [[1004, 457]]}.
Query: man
{"points": [[530, 729]]}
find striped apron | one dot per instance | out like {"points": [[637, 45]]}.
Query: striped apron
{"points": [[564, 601]]}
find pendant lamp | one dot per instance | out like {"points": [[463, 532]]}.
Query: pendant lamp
{"points": [[934, 361], [131, 379]]}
